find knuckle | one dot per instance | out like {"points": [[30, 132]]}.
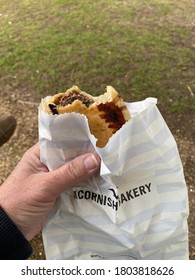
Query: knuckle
{"points": [[74, 171]]}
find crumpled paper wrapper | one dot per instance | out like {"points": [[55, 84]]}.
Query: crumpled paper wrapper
{"points": [[136, 208]]}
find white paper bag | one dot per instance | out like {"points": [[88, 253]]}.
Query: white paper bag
{"points": [[137, 208]]}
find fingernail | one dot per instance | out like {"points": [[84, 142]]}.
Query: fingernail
{"points": [[91, 162]]}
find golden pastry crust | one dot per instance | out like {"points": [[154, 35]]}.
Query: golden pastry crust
{"points": [[105, 113]]}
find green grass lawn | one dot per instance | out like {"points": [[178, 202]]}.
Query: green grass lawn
{"points": [[139, 47]]}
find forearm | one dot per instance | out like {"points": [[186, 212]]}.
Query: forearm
{"points": [[13, 245]]}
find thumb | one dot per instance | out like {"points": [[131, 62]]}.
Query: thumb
{"points": [[68, 175]]}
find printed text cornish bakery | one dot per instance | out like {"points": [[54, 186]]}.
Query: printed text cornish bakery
{"points": [[114, 200]]}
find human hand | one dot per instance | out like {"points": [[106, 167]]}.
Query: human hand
{"points": [[31, 190]]}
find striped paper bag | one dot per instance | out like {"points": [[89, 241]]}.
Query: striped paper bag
{"points": [[136, 208]]}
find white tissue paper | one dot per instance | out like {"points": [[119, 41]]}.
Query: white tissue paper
{"points": [[136, 208]]}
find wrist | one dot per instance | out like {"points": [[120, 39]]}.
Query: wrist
{"points": [[13, 245]]}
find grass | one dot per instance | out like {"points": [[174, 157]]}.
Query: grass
{"points": [[47, 46], [141, 47]]}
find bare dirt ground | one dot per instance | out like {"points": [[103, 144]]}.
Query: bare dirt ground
{"points": [[24, 108], [23, 104]]}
